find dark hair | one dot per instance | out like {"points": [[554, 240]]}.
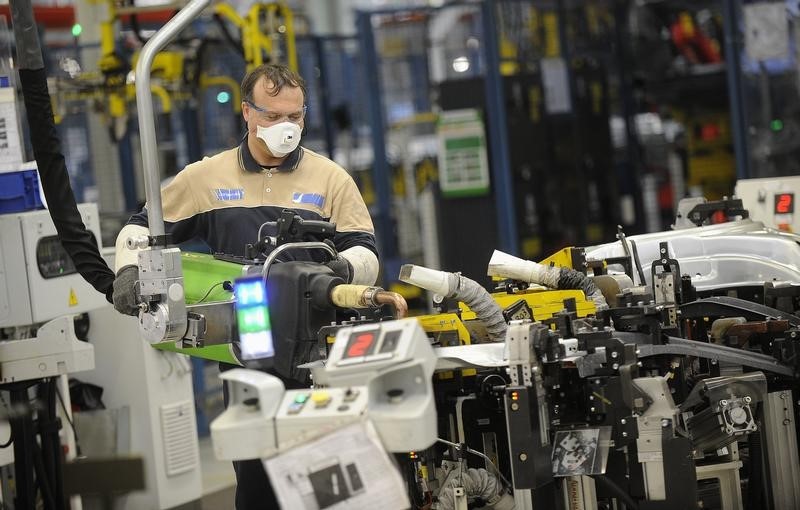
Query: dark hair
{"points": [[280, 76]]}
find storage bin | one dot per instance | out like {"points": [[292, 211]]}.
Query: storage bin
{"points": [[19, 191]]}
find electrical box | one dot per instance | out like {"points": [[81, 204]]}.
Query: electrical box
{"points": [[772, 201], [38, 279]]}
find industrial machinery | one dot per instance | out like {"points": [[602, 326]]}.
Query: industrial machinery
{"points": [[42, 339], [660, 400], [735, 254], [656, 400], [666, 391], [55, 325], [41, 288]]}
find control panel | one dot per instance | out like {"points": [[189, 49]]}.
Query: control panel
{"points": [[771, 201], [40, 282], [360, 352], [303, 413], [379, 371]]}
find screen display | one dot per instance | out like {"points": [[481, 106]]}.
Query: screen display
{"points": [[361, 343], [52, 258], [784, 203], [252, 316]]}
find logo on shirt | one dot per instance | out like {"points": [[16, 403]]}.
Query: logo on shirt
{"points": [[223, 194], [308, 198]]}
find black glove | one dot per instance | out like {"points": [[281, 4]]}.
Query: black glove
{"points": [[342, 268], [125, 290]]}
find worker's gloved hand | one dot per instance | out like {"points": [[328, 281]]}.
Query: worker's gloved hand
{"points": [[125, 290], [342, 268]]}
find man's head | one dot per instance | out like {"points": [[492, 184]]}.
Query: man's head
{"points": [[273, 106]]}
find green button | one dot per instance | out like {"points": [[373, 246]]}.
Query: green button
{"points": [[300, 399]]}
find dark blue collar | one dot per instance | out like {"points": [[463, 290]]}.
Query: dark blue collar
{"points": [[249, 164]]}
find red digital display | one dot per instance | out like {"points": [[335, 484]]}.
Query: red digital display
{"points": [[784, 203], [360, 344]]}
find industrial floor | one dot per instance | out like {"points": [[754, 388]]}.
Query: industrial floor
{"points": [[218, 479]]}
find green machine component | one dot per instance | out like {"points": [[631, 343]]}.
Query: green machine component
{"points": [[204, 278], [208, 287], [219, 352]]}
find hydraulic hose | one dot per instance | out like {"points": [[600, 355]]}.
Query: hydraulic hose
{"points": [[456, 286], [364, 296], [477, 484], [504, 265], [78, 242]]}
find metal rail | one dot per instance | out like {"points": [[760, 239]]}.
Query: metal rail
{"points": [[144, 108]]}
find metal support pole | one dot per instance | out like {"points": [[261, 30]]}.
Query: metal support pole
{"points": [[733, 68], [127, 171], [381, 172], [781, 447], [144, 107], [498, 134]]}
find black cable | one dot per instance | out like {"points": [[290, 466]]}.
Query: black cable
{"points": [[48, 434], [40, 450], [616, 490], [637, 262], [236, 45], [41, 476], [199, 58], [56, 451], [225, 285], [71, 424], [134, 21], [79, 242]]}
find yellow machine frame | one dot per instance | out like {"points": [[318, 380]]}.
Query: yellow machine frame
{"points": [[168, 65]]}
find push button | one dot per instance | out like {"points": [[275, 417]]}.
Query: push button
{"points": [[321, 398], [297, 405]]}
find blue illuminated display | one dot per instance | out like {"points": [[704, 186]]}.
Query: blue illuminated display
{"points": [[250, 292], [252, 316]]}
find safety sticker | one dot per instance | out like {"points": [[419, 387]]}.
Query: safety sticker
{"points": [[73, 298]]}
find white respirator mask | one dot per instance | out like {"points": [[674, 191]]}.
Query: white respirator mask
{"points": [[281, 139]]}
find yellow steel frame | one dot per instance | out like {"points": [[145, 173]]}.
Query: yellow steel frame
{"points": [[543, 303], [169, 65], [562, 258], [254, 41]]}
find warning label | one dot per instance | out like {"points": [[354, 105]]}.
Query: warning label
{"points": [[73, 298]]}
